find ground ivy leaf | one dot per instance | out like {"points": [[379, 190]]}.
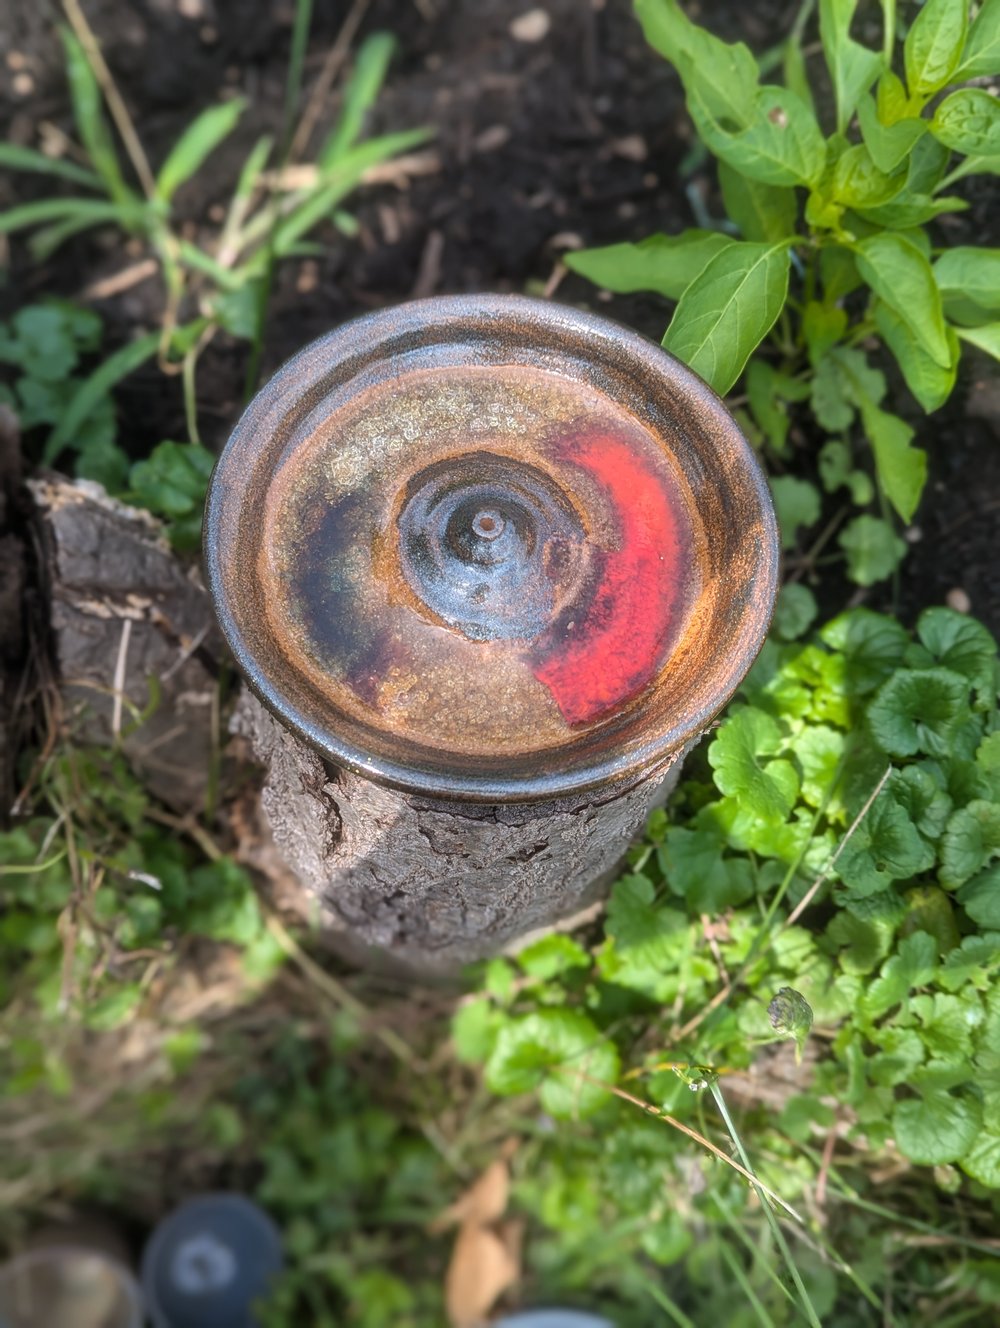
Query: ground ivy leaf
{"points": [[795, 612], [796, 503], [666, 264], [960, 643], [543, 1050], [981, 1160], [901, 276], [645, 933], [767, 788], [886, 847], [873, 549], [552, 955], [695, 867], [926, 802], [936, 1127], [728, 309], [970, 842], [818, 750], [913, 965], [919, 711], [980, 898], [474, 1029], [872, 645]]}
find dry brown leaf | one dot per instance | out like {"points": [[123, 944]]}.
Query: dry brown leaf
{"points": [[482, 1267], [483, 1202]]}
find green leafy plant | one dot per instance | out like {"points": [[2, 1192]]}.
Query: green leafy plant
{"points": [[853, 785], [827, 257], [222, 282]]}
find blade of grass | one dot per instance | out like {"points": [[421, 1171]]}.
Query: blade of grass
{"points": [[91, 211], [112, 96], [370, 68], [88, 113], [98, 385], [733, 1264], [198, 140], [769, 1213], [665, 1303], [16, 158]]}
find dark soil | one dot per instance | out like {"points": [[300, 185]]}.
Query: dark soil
{"points": [[578, 138]]}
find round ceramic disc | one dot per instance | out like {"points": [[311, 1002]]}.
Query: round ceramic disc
{"points": [[491, 548]]}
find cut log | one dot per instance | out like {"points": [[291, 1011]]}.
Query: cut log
{"points": [[406, 882], [432, 884]]}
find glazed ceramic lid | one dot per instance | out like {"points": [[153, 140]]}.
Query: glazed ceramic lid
{"points": [[491, 548]]}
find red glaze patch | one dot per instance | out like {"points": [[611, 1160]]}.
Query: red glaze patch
{"points": [[598, 664]]}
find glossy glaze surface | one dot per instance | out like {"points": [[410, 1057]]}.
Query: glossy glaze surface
{"points": [[490, 548]]}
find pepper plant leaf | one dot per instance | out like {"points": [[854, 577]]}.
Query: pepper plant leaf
{"points": [[933, 45], [666, 264]]}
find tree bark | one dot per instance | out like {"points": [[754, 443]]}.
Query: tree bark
{"points": [[415, 885], [433, 884]]}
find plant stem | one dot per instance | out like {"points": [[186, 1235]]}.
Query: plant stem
{"points": [[888, 30], [779, 1236]]}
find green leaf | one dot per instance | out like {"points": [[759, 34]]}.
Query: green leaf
{"points": [[970, 842], [173, 480], [644, 933], [474, 1029], [768, 391], [913, 965], [76, 212], [728, 309], [980, 898], [823, 325], [983, 338], [918, 710], [936, 1127], [195, 144], [859, 183], [97, 386], [100, 458], [929, 382], [763, 212], [842, 379], [666, 264], [552, 955], [696, 867], [901, 276], [835, 466], [89, 115], [873, 646], [889, 144], [885, 848], [819, 750], [968, 121], [982, 48], [795, 612], [981, 1160], [927, 804], [796, 503], [725, 76], [873, 549], [782, 144], [853, 68], [550, 1051], [114, 1009], [766, 787], [902, 469], [16, 158], [370, 68], [960, 643], [969, 273], [933, 45]]}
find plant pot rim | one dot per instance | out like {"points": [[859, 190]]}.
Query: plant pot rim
{"points": [[685, 417]]}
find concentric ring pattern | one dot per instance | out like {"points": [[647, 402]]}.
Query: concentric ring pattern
{"points": [[491, 548]]}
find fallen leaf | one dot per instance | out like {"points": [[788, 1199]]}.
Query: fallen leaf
{"points": [[482, 1267], [483, 1202]]}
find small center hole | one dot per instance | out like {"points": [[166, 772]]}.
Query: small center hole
{"points": [[488, 525]]}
